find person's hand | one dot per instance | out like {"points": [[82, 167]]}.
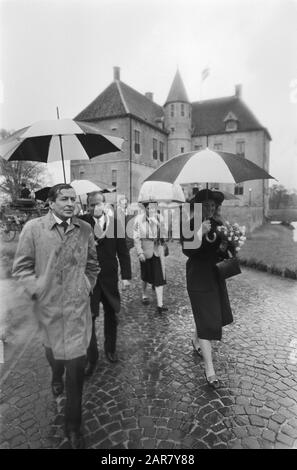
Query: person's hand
{"points": [[125, 283], [206, 226], [223, 246], [142, 258]]}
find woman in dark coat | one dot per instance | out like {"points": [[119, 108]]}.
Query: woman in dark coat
{"points": [[208, 294]]}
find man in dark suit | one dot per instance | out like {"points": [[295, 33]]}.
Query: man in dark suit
{"points": [[111, 247]]}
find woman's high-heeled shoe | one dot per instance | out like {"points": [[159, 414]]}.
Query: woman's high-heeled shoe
{"points": [[197, 350], [212, 381]]}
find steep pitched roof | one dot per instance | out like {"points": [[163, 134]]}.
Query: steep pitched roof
{"points": [[118, 99], [177, 91], [208, 116]]}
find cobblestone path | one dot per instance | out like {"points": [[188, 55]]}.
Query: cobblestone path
{"points": [[156, 396]]}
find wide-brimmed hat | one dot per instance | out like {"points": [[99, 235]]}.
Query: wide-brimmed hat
{"points": [[218, 197], [203, 195]]}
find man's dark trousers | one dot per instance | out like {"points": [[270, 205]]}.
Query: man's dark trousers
{"points": [[110, 325], [73, 385]]}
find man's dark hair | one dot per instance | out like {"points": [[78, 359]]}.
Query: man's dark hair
{"points": [[55, 191], [93, 193]]}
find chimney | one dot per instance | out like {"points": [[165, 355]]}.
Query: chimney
{"points": [[116, 73], [238, 90], [149, 95]]}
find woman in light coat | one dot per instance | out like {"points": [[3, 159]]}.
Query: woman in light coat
{"points": [[150, 251]]}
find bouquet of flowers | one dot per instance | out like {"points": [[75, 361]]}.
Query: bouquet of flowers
{"points": [[233, 234]]}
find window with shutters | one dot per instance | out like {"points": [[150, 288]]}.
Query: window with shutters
{"points": [[114, 178], [136, 141], [240, 148], [155, 149], [161, 152], [238, 189]]}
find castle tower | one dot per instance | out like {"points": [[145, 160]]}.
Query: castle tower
{"points": [[178, 118]]}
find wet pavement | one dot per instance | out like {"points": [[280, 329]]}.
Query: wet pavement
{"points": [[156, 396]]}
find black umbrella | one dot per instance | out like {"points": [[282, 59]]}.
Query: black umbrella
{"points": [[42, 193], [60, 139]]}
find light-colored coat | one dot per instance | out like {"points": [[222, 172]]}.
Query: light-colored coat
{"points": [[59, 270], [146, 240]]}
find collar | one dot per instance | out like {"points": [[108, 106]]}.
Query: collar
{"points": [[59, 221], [99, 219], [52, 220]]}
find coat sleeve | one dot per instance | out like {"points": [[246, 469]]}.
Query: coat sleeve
{"points": [[24, 261], [137, 237], [124, 257], [92, 266], [193, 244]]}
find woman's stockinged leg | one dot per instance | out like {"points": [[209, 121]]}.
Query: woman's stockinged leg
{"points": [[206, 349], [144, 287], [159, 295]]}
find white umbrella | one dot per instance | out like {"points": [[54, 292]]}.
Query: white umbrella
{"points": [[84, 186], [157, 191], [207, 165]]}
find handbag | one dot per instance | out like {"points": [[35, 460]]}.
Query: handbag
{"points": [[166, 249], [228, 267]]}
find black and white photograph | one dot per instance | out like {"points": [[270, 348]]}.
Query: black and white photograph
{"points": [[148, 227]]}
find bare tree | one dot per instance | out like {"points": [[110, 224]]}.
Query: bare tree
{"points": [[13, 174]]}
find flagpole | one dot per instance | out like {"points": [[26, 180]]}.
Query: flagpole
{"points": [[61, 147]]}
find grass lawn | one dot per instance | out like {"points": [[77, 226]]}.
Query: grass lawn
{"points": [[271, 248]]}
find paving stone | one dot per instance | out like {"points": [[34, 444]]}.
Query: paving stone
{"points": [[284, 439], [250, 443], [278, 418], [164, 445]]}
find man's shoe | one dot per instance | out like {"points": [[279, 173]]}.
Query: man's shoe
{"points": [[111, 356], [89, 369], [76, 440], [57, 388], [162, 309], [145, 301]]}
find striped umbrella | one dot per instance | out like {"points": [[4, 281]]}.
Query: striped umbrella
{"points": [[207, 165], [59, 139]]}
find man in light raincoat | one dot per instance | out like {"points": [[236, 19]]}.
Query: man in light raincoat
{"points": [[57, 262]]}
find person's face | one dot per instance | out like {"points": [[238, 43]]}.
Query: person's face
{"points": [[151, 209], [96, 205], [218, 210], [63, 206], [123, 203], [208, 208]]}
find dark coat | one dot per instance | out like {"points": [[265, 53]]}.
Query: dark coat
{"points": [[208, 293], [109, 248]]}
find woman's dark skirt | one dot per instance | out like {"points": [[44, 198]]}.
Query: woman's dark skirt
{"points": [[151, 271], [209, 299]]}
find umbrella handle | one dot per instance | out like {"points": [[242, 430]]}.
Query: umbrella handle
{"points": [[211, 240], [61, 147]]}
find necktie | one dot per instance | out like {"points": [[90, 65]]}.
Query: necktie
{"points": [[64, 225]]}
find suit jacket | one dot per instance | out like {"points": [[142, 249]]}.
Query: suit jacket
{"points": [[110, 248]]}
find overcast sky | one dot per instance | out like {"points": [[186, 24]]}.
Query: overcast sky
{"points": [[61, 53]]}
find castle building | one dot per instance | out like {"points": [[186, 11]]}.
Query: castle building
{"points": [[153, 134]]}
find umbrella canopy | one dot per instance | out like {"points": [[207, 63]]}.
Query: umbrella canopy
{"points": [[109, 190], [60, 139], [205, 166], [42, 193], [152, 191], [84, 186]]}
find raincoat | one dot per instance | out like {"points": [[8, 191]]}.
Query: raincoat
{"points": [[59, 271]]}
